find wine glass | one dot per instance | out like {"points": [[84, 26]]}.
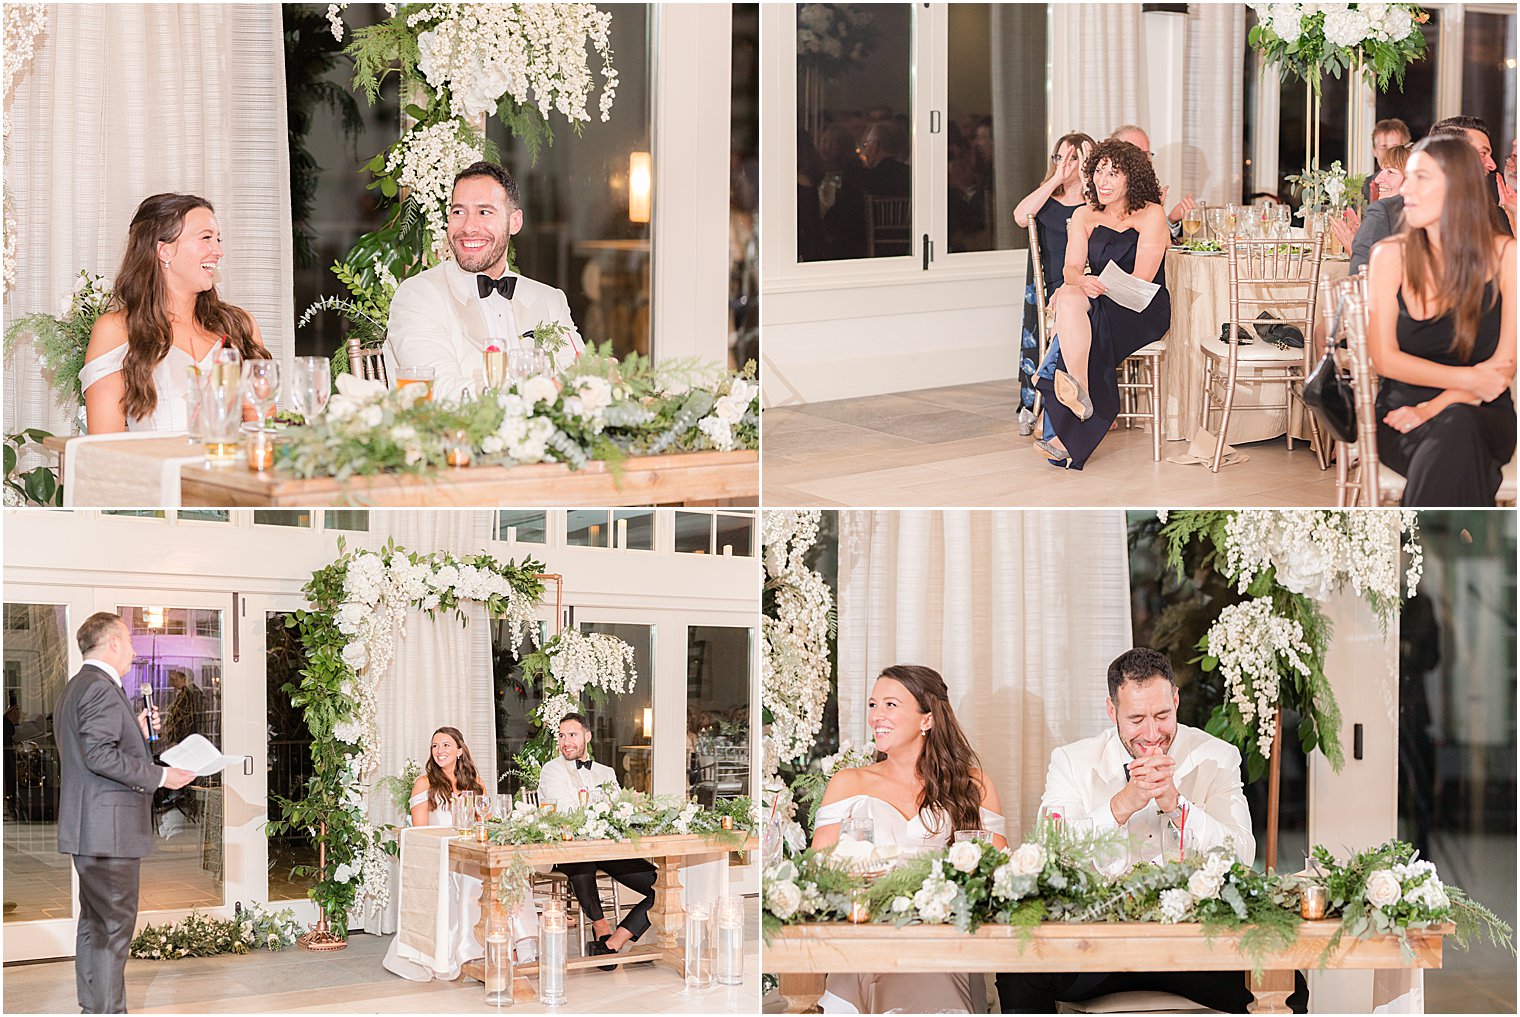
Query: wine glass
{"points": [[1192, 222], [1231, 218], [311, 386], [526, 363], [261, 385]]}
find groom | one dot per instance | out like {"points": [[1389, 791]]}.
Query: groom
{"points": [[561, 782], [1140, 777], [106, 782], [444, 317]]}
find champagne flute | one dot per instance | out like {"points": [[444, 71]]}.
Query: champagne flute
{"points": [[1231, 218], [261, 385]]}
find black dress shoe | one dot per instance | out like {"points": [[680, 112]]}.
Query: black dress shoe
{"points": [[599, 947]]}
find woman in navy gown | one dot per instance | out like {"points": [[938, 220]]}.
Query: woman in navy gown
{"points": [[1050, 205], [1123, 222]]}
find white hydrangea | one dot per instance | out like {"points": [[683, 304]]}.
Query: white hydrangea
{"points": [[1348, 28], [1175, 905], [935, 899], [782, 898]]}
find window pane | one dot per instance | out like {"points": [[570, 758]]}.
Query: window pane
{"points": [[744, 187], [1488, 75], [37, 877], [134, 513], [282, 517], [717, 711], [636, 529], [694, 532], [995, 127], [587, 528], [586, 200], [620, 727], [289, 757], [737, 533], [353, 520], [1457, 737], [527, 527], [179, 655], [1415, 104], [854, 131], [205, 515]]}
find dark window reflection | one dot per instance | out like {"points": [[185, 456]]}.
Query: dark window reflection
{"points": [[854, 137], [1488, 75]]}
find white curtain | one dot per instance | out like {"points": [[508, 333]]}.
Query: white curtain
{"points": [[1213, 102], [1021, 612], [127, 100], [441, 673], [1097, 68]]}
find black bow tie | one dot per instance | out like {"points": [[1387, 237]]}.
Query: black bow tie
{"points": [[505, 285], [583, 764]]}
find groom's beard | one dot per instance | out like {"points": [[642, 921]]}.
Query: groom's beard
{"points": [[479, 261], [1129, 746]]}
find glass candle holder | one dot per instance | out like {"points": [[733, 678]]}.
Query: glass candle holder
{"points": [[726, 822], [860, 907], [728, 967], [456, 450], [498, 963], [552, 929], [699, 973], [1314, 902], [258, 448]]}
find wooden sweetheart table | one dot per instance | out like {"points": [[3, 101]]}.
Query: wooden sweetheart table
{"points": [[803, 954]]}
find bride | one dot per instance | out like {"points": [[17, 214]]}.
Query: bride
{"points": [[450, 769], [927, 786], [166, 318]]}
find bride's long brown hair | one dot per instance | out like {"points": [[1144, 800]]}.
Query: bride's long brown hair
{"points": [[140, 292], [946, 759], [440, 793], [1455, 279]]}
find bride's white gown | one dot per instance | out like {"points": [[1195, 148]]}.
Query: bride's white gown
{"points": [[171, 412], [913, 993], [464, 915]]}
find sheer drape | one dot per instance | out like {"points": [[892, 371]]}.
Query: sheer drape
{"points": [[441, 673], [1020, 611], [1097, 68], [127, 100], [1213, 103]]}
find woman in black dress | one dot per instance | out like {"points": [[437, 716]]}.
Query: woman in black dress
{"points": [[1123, 222], [1050, 205], [1442, 332]]}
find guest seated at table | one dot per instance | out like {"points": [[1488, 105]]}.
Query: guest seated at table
{"points": [[1123, 223], [927, 786], [445, 317], [1442, 333], [1050, 205], [1136, 136], [1390, 177], [1146, 775], [450, 770], [165, 317], [1387, 134], [561, 782]]}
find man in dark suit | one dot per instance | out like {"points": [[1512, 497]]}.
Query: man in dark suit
{"points": [[106, 782]]}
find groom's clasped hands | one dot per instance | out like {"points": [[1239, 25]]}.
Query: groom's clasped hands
{"points": [[1150, 780]]}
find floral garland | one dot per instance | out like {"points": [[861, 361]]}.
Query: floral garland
{"points": [[1057, 876], [599, 409], [358, 605], [624, 816], [795, 668], [1311, 40], [24, 25], [1270, 648], [197, 935]]}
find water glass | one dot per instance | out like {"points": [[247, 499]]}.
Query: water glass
{"points": [[311, 386], [261, 386], [976, 836], [729, 966], [221, 414], [699, 972], [858, 827], [193, 404], [417, 376], [526, 363]]}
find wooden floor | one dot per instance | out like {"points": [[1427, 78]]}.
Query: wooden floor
{"points": [[960, 446]]}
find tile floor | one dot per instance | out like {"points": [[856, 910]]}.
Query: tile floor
{"points": [[960, 446], [352, 981]]}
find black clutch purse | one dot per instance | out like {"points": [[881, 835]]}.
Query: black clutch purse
{"points": [[1327, 391]]}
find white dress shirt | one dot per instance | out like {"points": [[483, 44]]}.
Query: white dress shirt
{"points": [[561, 781], [1084, 777], [163, 773]]}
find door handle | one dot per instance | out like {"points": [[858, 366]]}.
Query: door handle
{"points": [[247, 766]]}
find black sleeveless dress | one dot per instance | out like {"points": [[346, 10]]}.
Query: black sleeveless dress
{"points": [[1456, 457], [1116, 333]]}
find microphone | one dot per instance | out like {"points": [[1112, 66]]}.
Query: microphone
{"points": [[147, 696]]}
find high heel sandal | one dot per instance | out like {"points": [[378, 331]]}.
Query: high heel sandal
{"points": [[1057, 456], [1072, 396]]}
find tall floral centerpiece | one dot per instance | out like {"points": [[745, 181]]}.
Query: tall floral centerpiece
{"points": [[1270, 647], [831, 39], [1310, 40], [457, 64]]}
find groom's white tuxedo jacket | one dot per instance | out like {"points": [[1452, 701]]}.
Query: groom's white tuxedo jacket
{"points": [[440, 320], [560, 782], [1084, 777]]}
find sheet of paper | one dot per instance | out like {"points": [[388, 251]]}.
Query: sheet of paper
{"points": [[199, 756], [1125, 289]]}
